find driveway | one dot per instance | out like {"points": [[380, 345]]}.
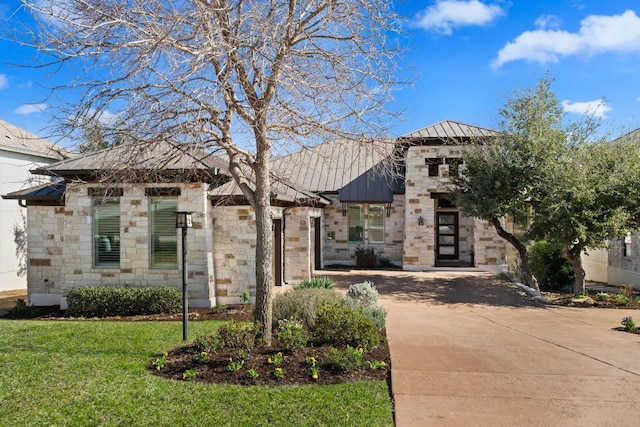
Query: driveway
{"points": [[468, 350]]}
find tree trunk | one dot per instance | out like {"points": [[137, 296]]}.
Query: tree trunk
{"points": [[264, 242], [525, 268], [574, 257]]}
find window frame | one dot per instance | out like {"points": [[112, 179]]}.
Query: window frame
{"points": [[377, 227], [360, 223]]}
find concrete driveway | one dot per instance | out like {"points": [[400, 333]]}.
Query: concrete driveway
{"points": [[468, 350]]}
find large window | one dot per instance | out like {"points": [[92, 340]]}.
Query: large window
{"points": [[163, 238], [374, 226], [106, 232]]}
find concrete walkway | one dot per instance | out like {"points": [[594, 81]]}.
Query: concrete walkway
{"points": [[468, 350]]}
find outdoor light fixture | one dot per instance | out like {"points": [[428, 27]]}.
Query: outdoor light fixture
{"points": [[183, 221], [420, 220]]}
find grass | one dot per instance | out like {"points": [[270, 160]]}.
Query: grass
{"points": [[92, 373]]}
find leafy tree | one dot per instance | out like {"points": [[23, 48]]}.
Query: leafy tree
{"points": [[556, 180], [509, 175], [244, 77], [596, 199]]}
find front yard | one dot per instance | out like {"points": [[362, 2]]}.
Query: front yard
{"points": [[80, 373]]}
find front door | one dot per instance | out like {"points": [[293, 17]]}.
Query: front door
{"points": [[447, 235], [277, 252]]}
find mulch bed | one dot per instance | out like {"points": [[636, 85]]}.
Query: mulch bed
{"points": [[214, 370]]}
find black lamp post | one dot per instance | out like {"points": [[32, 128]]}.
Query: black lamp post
{"points": [[183, 221]]}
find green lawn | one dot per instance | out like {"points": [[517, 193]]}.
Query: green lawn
{"points": [[92, 373]]}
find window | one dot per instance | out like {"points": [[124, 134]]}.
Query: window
{"points": [[454, 166], [376, 223], [163, 235], [106, 232], [433, 164], [355, 216]]}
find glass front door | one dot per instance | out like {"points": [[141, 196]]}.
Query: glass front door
{"points": [[447, 235]]}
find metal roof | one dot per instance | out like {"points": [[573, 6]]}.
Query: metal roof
{"points": [[49, 191], [158, 156], [17, 140], [448, 129], [329, 166]]}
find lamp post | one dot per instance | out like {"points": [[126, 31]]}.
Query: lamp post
{"points": [[183, 221]]}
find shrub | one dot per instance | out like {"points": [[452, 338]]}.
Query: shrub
{"points": [[365, 293], [345, 360], [621, 299], [240, 337], [344, 325], [316, 282], [292, 334], [629, 324], [377, 315], [552, 271], [104, 301], [302, 304], [602, 296]]}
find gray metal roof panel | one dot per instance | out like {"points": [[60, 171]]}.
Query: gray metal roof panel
{"points": [[448, 129]]}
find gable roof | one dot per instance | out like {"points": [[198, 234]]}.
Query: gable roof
{"points": [[449, 129], [17, 140]]}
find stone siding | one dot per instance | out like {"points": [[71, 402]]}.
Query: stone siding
{"points": [[336, 246], [62, 237]]}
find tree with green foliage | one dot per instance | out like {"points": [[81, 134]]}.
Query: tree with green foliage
{"points": [[557, 181], [508, 176], [596, 198]]}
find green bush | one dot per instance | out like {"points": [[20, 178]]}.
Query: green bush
{"points": [[343, 360], [292, 334], [344, 325], [621, 299], [240, 337], [377, 315], [365, 293], [302, 304], [316, 282], [102, 301], [552, 271]]}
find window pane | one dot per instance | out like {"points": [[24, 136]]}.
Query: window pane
{"points": [[164, 240], [355, 220], [106, 233], [376, 223]]}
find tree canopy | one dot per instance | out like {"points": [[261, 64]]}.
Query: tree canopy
{"points": [[556, 180]]}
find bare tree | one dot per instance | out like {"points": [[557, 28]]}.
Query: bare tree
{"points": [[248, 77]]}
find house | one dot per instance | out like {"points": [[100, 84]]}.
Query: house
{"points": [[619, 263], [20, 151], [109, 223]]}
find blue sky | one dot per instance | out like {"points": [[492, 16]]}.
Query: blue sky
{"points": [[466, 56]]}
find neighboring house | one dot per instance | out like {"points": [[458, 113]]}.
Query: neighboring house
{"points": [[109, 225], [20, 151], [619, 264]]}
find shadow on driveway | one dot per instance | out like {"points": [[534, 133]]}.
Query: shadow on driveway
{"points": [[436, 287]]}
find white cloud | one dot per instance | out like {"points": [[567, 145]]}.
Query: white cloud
{"points": [[27, 109], [4, 81], [448, 14], [597, 34], [547, 21], [597, 108]]}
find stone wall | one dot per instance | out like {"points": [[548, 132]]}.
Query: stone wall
{"points": [[61, 246], [478, 241], [298, 243], [336, 246]]}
